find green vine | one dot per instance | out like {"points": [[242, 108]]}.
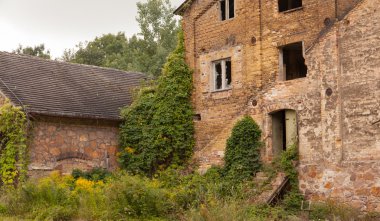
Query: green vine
{"points": [[242, 159], [13, 148], [288, 161], [158, 127]]}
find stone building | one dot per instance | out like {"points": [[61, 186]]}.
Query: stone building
{"points": [[308, 71], [73, 109]]}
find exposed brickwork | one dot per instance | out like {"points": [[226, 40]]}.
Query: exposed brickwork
{"points": [[337, 132], [65, 144]]}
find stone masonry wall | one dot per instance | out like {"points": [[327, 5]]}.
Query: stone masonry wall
{"points": [[338, 132], [252, 40], [65, 144], [348, 169]]}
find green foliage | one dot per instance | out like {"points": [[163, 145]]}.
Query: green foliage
{"points": [[331, 210], [95, 174], [47, 200], [145, 52], [242, 159], [13, 149], [287, 163], [134, 196], [38, 51], [158, 127]]}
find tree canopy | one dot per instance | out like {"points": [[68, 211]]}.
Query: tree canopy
{"points": [[38, 51], [144, 52]]}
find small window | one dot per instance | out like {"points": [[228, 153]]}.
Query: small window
{"points": [[222, 74], [292, 62], [286, 5], [227, 9]]}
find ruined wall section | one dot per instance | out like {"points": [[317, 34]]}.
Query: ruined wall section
{"points": [[281, 28], [65, 144], [350, 148]]}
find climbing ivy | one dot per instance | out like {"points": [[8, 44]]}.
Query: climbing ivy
{"points": [[13, 149], [242, 158], [157, 129], [288, 160]]}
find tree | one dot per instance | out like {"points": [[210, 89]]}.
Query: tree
{"points": [[109, 50], [159, 31], [38, 51], [157, 129], [145, 52]]}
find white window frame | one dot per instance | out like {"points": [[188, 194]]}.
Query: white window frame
{"points": [[225, 86], [227, 10]]}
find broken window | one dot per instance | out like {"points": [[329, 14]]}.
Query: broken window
{"points": [[286, 5], [292, 62], [227, 9], [222, 74]]}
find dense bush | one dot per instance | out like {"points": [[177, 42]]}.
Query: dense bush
{"points": [[13, 149], [158, 129], [242, 159], [95, 174]]}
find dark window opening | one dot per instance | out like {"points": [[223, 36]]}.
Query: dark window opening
{"points": [[231, 8], [293, 62], [227, 9], [286, 5], [223, 9], [197, 117], [218, 76], [228, 73]]}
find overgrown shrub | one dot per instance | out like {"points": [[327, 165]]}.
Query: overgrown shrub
{"points": [[242, 158], [95, 174], [13, 149], [158, 127]]}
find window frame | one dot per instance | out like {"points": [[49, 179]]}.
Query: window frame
{"points": [[224, 86], [226, 10]]}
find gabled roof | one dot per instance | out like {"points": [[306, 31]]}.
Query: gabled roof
{"points": [[181, 9], [55, 88]]}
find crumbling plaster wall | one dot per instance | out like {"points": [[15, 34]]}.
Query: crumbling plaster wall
{"points": [[348, 60], [65, 144]]}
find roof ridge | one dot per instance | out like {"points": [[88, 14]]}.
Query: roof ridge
{"points": [[68, 63]]}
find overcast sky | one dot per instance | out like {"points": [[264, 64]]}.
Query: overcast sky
{"points": [[62, 24]]}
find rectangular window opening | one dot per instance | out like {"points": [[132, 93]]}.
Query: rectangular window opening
{"points": [[286, 5], [292, 62], [222, 74], [227, 9]]}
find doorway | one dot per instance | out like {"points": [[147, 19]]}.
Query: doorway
{"points": [[284, 130]]}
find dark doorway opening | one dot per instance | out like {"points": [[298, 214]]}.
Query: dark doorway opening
{"points": [[284, 130]]}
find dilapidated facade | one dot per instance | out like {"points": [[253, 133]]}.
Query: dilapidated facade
{"points": [[308, 71], [73, 109]]}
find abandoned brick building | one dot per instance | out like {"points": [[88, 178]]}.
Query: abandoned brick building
{"points": [[308, 71], [74, 110]]}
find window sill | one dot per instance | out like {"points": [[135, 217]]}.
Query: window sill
{"points": [[227, 20], [292, 10], [221, 90]]}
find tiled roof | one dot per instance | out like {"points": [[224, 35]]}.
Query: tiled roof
{"points": [[55, 88]]}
